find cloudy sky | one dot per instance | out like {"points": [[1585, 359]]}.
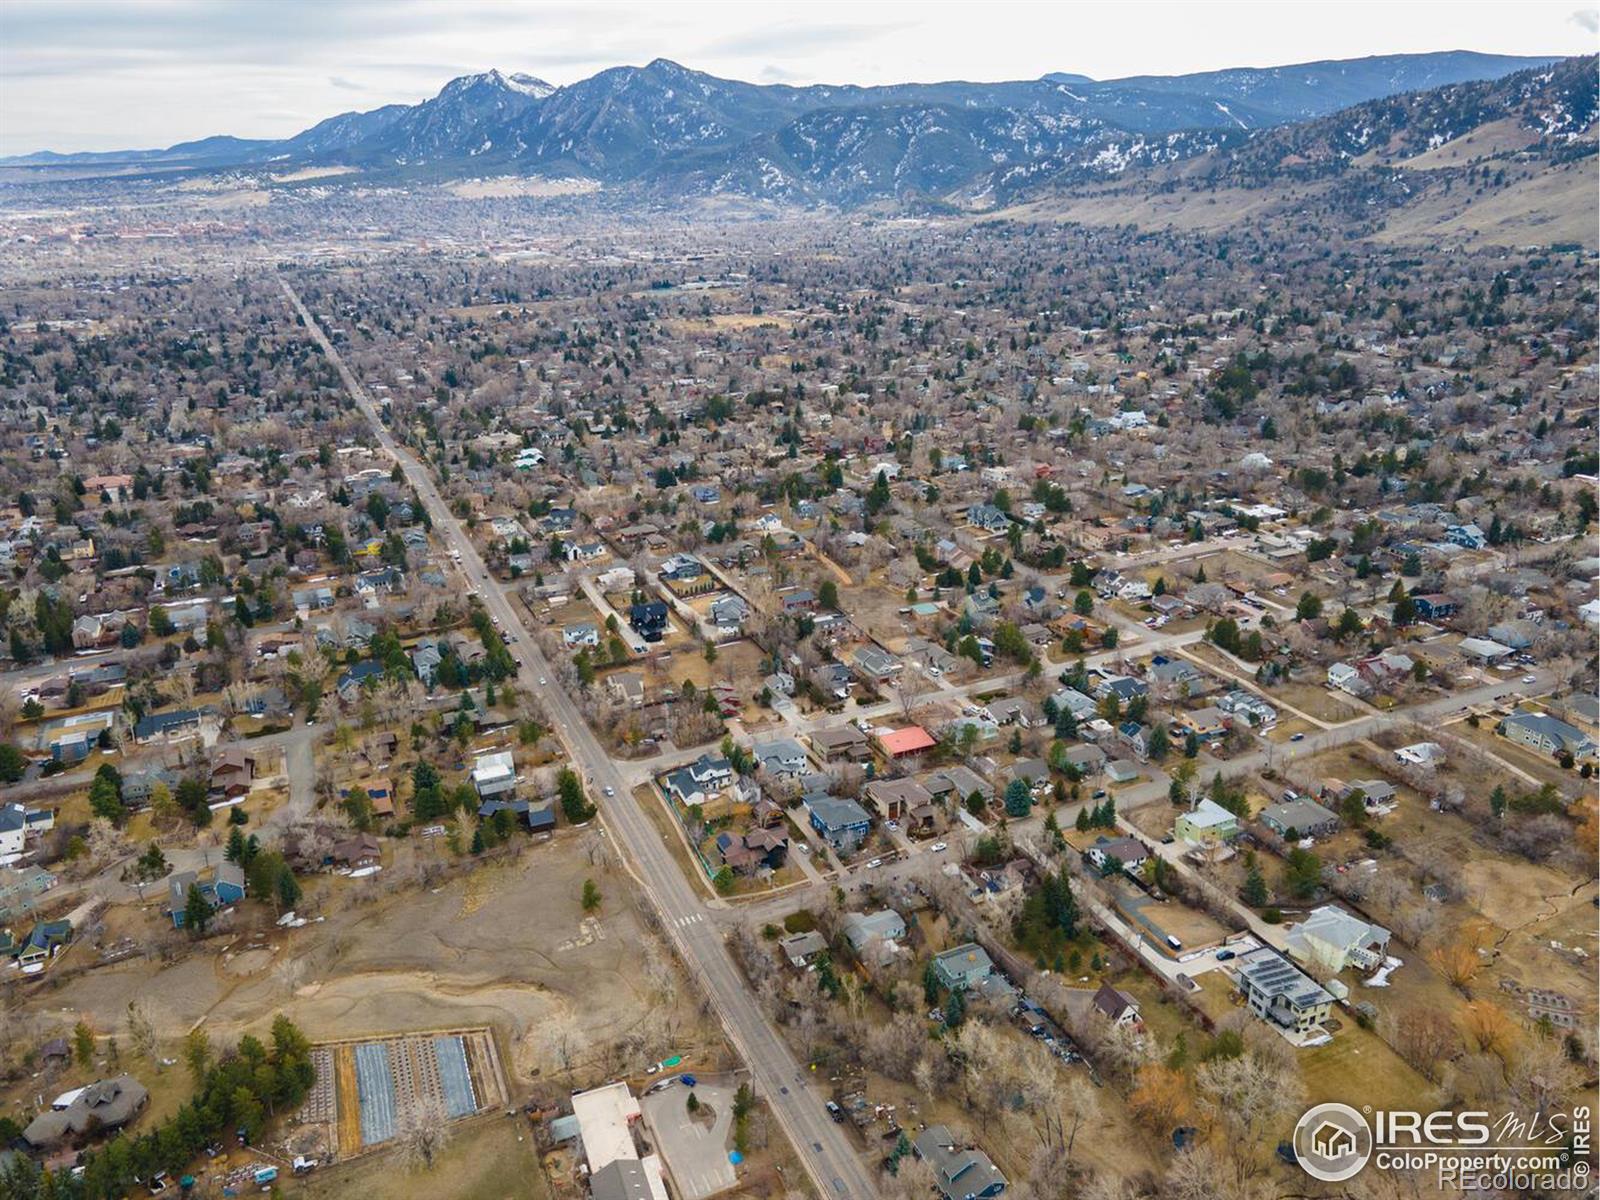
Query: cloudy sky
{"points": [[118, 74]]}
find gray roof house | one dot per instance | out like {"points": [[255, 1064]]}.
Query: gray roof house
{"points": [[1546, 734], [959, 1172], [1301, 818], [862, 929], [108, 1104], [963, 966]]}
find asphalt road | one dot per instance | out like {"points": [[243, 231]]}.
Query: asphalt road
{"points": [[820, 1144]]}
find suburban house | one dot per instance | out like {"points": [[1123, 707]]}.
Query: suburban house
{"points": [[877, 665], [801, 948], [897, 799], [1545, 734], [963, 967], [1116, 1006], [844, 744], [959, 1172], [1118, 853], [1071, 700], [1087, 759], [44, 941], [584, 633], [626, 687], [1123, 687], [170, 726], [649, 620], [1277, 992], [495, 775], [1136, 738], [904, 743], [102, 1106], [1202, 724], [988, 518], [955, 785], [729, 612], [1346, 678], [862, 930], [782, 757], [225, 886], [1435, 606], [1333, 939], [1299, 818], [17, 824], [833, 680], [1249, 707], [840, 822], [753, 850], [1420, 754], [701, 779], [1206, 824], [356, 852]]}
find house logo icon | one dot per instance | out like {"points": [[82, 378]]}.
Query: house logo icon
{"points": [[1332, 1142]]}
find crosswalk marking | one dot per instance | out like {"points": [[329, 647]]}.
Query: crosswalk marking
{"points": [[693, 919]]}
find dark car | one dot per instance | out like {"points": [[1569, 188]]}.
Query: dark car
{"points": [[1224, 955]]}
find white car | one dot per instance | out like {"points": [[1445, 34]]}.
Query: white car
{"points": [[875, 864], [894, 824], [1530, 679], [610, 791], [541, 681], [939, 847]]}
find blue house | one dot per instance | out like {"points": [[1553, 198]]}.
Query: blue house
{"points": [[355, 676], [226, 886], [840, 822], [1435, 606], [649, 620]]}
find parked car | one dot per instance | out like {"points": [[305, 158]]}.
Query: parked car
{"points": [[1224, 955], [939, 847]]}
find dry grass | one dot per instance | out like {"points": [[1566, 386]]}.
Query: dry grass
{"points": [[489, 1158]]}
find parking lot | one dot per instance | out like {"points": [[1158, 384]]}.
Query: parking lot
{"points": [[695, 1149]]}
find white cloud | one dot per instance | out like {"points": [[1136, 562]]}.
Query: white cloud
{"points": [[107, 74]]}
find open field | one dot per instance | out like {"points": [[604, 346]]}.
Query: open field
{"points": [[1358, 1063], [486, 1158]]}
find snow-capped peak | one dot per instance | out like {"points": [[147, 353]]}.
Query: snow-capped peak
{"points": [[528, 85], [523, 85]]}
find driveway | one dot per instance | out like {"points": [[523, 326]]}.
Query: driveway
{"points": [[695, 1151]]}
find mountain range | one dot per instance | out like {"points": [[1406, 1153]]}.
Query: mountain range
{"points": [[665, 129]]}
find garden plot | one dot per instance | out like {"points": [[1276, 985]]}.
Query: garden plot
{"points": [[373, 1090]]}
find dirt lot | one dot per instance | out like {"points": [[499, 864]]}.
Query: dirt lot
{"points": [[385, 961]]}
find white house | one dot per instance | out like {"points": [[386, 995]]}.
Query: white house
{"points": [[1334, 939]]}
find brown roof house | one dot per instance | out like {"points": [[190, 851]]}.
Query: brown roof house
{"points": [[108, 1104]]}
